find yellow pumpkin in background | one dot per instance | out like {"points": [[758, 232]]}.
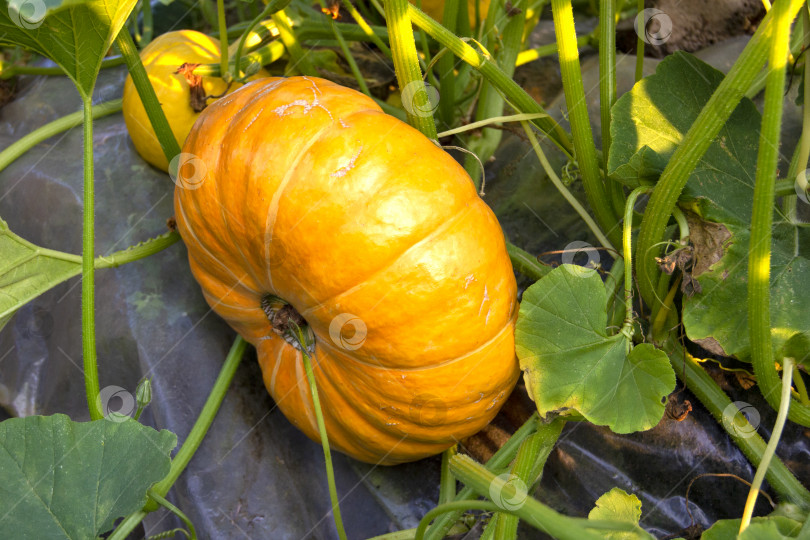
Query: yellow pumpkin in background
{"points": [[161, 58], [302, 195]]}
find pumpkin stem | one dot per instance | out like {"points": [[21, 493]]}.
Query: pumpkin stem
{"points": [[285, 321], [195, 86]]}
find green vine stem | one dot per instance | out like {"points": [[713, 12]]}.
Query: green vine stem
{"points": [[174, 510], [528, 465], [406, 65], [801, 388], [327, 454], [490, 101], [530, 510], [607, 94], [725, 412], [526, 263], [407, 534], [584, 148], [640, 31], [518, 98], [803, 151], [10, 70], [499, 460], [25, 143], [366, 28], [454, 507], [192, 442], [116, 259], [271, 7], [148, 23], [627, 241], [262, 56], [683, 161], [530, 55], [607, 72], [138, 251], [759, 258], [147, 94], [446, 65], [347, 54], [89, 361], [223, 36], [299, 58], [567, 195], [773, 442], [447, 482]]}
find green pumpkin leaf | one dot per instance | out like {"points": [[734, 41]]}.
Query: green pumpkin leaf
{"points": [[706, 314], [618, 505], [26, 271], [73, 33], [570, 361], [649, 123], [65, 479], [761, 528]]}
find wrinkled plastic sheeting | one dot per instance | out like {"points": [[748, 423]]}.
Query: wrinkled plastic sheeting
{"points": [[255, 475]]}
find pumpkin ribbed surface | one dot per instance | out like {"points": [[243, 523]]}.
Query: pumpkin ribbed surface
{"points": [[307, 191]]}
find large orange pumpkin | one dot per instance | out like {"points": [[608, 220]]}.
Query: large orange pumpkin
{"points": [[302, 190]]}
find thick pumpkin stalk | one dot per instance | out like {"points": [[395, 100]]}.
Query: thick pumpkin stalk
{"points": [[415, 96]]}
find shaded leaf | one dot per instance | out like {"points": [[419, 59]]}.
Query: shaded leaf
{"points": [[65, 479], [649, 123], [74, 34], [710, 315], [570, 361], [26, 271], [618, 505]]}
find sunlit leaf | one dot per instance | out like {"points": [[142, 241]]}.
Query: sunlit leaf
{"points": [[618, 505], [74, 34]]}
